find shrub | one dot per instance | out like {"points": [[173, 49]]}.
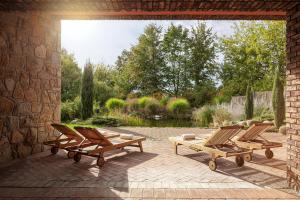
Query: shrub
{"points": [[221, 115], [132, 95], [152, 107], [105, 121], [203, 116], [132, 105], [249, 103], [143, 101], [128, 120], [164, 100], [114, 104], [178, 106], [278, 100], [70, 109], [263, 113]]}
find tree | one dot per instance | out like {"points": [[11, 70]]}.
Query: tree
{"points": [[278, 99], [87, 91], [252, 54], [103, 83], [71, 77], [124, 74], [176, 53], [147, 60], [202, 66], [249, 103], [203, 54]]}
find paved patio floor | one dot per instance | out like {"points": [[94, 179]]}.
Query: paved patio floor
{"points": [[155, 174]]}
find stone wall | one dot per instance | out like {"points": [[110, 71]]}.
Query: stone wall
{"points": [[29, 82], [293, 97], [237, 104]]}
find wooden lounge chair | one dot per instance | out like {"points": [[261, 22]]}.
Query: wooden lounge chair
{"points": [[68, 138], [219, 144], [252, 139], [96, 144]]}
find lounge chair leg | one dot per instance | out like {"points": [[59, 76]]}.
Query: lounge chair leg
{"points": [[100, 160], [176, 148], [141, 146]]}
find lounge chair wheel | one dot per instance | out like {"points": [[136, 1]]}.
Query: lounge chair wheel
{"points": [[239, 160], [54, 150], [100, 161], [212, 165], [248, 157], [71, 154], [77, 157], [269, 154]]}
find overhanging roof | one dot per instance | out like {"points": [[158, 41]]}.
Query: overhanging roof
{"points": [[156, 9]]}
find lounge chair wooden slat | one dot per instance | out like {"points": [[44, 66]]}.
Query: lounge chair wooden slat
{"points": [[93, 135], [68, 138], [219, 144], [102, 144], [249, 139]]}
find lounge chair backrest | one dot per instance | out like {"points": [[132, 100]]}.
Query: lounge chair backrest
{"points": [[254, 131], [66, 131], [93, 136], [223, 135]]}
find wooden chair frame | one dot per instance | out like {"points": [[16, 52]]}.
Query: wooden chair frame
{"points": [[100, 144], [252, 139], [219, 144], [71, 140]]}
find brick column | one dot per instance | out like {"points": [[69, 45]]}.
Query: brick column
{"points": [[29, 82], [293, 98]]}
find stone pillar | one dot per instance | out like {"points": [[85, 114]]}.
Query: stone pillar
{"points": [[293, 97], [29, 82]]}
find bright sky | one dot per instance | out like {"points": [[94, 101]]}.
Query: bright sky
{"points": [[102, 41]]}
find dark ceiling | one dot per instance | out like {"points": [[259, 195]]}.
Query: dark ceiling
{"points": [[135, 9]]}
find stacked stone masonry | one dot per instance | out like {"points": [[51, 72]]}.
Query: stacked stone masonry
{"points": [[293, 97], [29, 82]]}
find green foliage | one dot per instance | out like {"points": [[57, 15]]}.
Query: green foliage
{"points": [[164, 100], [219, 99], [87, 91], [176, 54], [70, 109], [221, 115], [178, 62], [263, 113], [124, 77], [70, 77], [132, 106], [203, 116], [152, 107], [147, 60], [249, 104], [178, 106], [128, 120], [200, 95], [202, 63], [105, 121], [103, 84], [115, 104], [278, 99], [143, 101], [252, 54]]}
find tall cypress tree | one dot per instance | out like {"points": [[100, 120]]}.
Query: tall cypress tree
{"points": [[278, 99], [87, 87], [249, 103]]}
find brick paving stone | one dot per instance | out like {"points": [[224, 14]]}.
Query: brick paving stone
{"points": [[156, 173]]}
